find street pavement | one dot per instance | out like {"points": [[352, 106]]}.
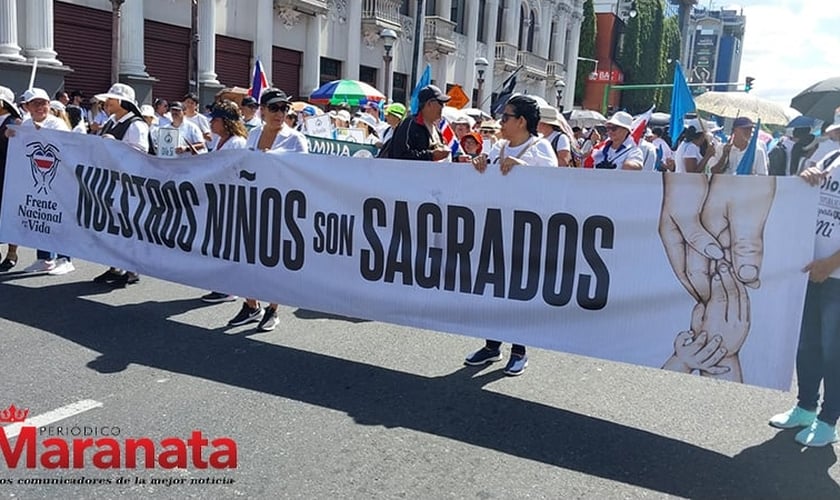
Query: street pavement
{"points": [[332, 407]]}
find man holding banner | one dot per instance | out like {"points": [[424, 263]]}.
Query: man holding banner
{"points": [[736, 148]]}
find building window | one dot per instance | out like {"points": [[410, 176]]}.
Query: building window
{"points": [[482, 20], [330, 70], [552, 47], [368, 75], [456, 15], [431, 7], [404, 6], [523, 28], [532, 24], [400, 91], [500, 21]]}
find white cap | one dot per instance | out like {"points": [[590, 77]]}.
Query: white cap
{"points": [[35, 93], [118, 91], [147, 110]]}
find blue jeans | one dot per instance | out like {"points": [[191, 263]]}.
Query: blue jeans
{"points": [[818, 356]]}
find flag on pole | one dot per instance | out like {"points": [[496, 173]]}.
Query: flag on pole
{"points": [[449, 137], [258, 81], [682, 102], [745, 166], [640, 124], [425, 79], [498, 106]]}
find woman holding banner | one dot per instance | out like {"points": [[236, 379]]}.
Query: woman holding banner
{"points": [[521, 145], [227, 124], [274, 136]]}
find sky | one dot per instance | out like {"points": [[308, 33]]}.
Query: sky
{"points": [[787, 45]]}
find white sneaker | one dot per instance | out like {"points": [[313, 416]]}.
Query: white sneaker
{"points": [[62, 266], [40, 266]]}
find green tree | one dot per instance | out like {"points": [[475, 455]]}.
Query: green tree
{"points": [[641, 56], [670, 52], [585, 49]]}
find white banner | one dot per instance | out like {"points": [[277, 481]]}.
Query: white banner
{"points": [[607, 264]]}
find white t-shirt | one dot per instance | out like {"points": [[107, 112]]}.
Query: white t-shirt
{"points": [[684, 151], [628, 151], [649, 156], [233, 142], [201, 121], [658, 143], [824, 147], [828, 214], [534, 152], [287, 141], [51, 122], [563, 143], [759, 165], [188, 132]]}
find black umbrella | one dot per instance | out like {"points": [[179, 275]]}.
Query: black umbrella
{"points": [[819, 100]]}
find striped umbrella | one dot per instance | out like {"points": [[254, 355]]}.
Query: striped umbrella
{"points": [[352, 92]]}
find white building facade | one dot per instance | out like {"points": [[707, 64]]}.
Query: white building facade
{"points": [[300, 44]]}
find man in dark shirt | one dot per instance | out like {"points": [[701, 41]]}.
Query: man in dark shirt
{"points": [[417, 137]]}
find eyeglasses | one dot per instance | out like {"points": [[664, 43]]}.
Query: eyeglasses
{"points": [[610, 128], [507, 116], [275, 108]]}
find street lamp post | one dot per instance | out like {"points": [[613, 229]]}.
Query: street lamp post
{"points": [[115, 39], [480, 66], [388, 38], [560, 85]]}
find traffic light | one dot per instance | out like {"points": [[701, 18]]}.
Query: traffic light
{"points": [[749, 85]]}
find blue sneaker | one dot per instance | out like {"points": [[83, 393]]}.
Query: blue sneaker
{"points": [[818, 434], [516, 365], [793, 418], [483, 356]]}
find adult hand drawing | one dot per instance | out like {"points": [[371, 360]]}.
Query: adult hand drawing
{"points": [[735, 212], [688, 245]]}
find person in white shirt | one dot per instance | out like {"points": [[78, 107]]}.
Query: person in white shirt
{"points": [[557, 132], [828, 143], [190, 108], [734, 150], [190, 138], [161, 109], [226, 124], [695, 150], [249, 113], [621, 151], [38, 105], [521, 145], [274, 136]]}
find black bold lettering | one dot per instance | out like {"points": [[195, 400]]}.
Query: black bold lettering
{"points": [[532, 249], [293, 250], [492, 256], [399, 251], [428, 276], [591, 226], [569, 225], [186, 234], [271, 212], [459, 220], [372, 262]]}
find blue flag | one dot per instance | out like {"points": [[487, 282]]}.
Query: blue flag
{"points": [[682, 102], [659, 154], [425, 79], [745, 166]]}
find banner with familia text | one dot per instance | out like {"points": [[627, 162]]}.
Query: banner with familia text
{"points": [[694, 274]]}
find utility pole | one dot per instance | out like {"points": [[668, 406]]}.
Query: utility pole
{"points": [[115, 39], [193, 71]]}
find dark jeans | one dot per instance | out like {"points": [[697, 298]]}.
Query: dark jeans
{"points": [[497, 344], [818, 356], [45, 255]]}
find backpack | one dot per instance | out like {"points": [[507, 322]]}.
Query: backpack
{"points": [[385, 152], [777, 160]]}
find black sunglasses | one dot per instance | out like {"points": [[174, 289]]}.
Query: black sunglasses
{"points": [[507, 116], [274, 108]]}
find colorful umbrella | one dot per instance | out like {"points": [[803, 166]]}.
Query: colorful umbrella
{"points": [[352, 92]]}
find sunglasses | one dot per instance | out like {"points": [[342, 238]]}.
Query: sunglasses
{"points": [[610, 128], [507, 116], [275, 108]]}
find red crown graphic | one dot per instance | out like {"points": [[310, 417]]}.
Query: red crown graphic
{"points": [[13, 414]]}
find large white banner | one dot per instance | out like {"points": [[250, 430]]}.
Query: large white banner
{"points": [[682, 271]]}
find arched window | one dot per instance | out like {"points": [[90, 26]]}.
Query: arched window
{"points": [[532, 26], [431, 7], [500, 21], [551, 46], [523, 28]]}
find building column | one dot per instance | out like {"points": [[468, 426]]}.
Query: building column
{"points": [[354, 45], [131, 39], [207, 42], [512, 12], [9, 48], [38, 31], [311, 77], [264, 37], [571, 68], [544, 34], [560, 36], [472, 48], [491, 17]]}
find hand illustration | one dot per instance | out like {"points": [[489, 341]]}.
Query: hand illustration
{"points": [[697, 352], [735, 213], [688, 245]]}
